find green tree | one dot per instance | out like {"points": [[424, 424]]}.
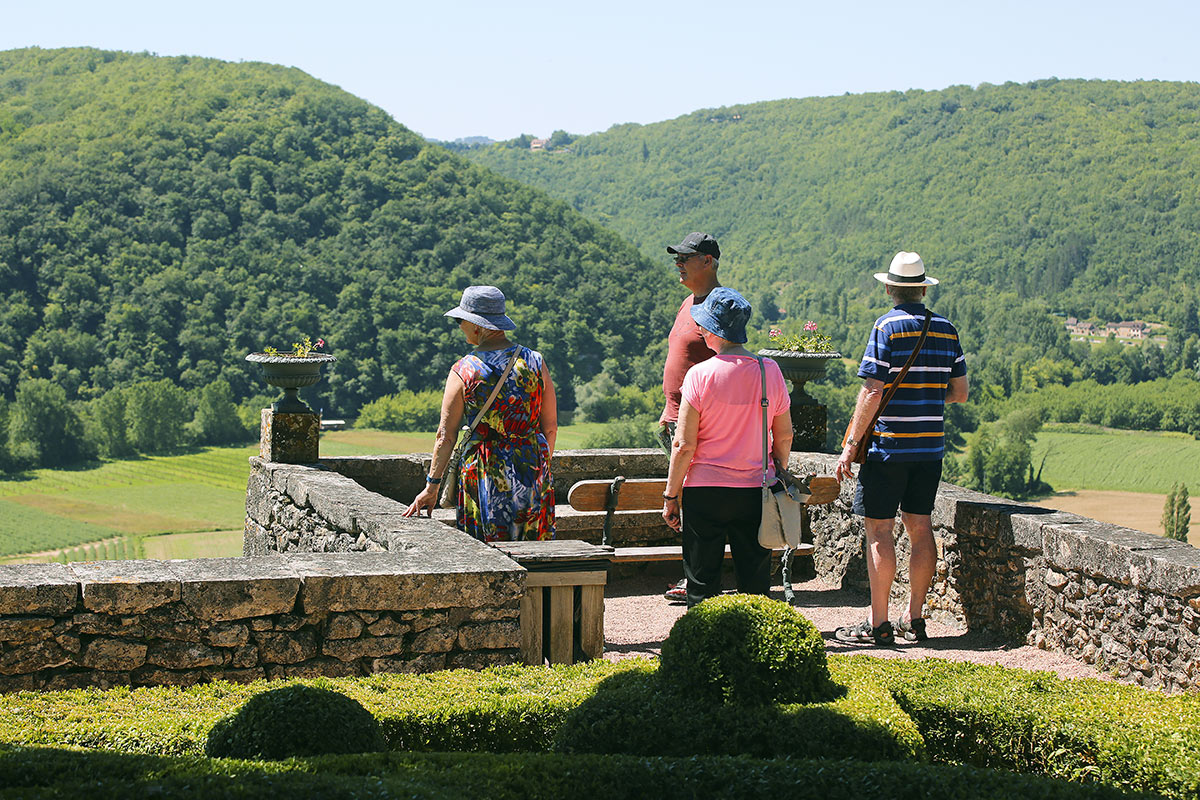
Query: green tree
{"points": [[107, 426], [216, 420], [43, 429], [156, 412]]}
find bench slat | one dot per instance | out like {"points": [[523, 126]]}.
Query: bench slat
{"points": [[646, 493], [675, 553], [636, 494]]}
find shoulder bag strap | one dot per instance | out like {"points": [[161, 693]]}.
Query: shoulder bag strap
{"points": [[891, 390], [496, 389], [762, 368]]}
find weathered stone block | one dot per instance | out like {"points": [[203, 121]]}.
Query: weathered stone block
{"points": [[25, 629], [185, 655], [227, 635], [367, 647], [285, 648], [426, 662], [328, 667], [386, 626], [156, 676], [496, 636], [126, 587], [33, 657], [244, 656], [236, 588], [434, 640], [289, 438], [344, 626], [114, 654], [482, 659], [37, 589]]}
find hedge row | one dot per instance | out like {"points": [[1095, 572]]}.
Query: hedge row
{"points": [[1084, 730], [38, 773]]}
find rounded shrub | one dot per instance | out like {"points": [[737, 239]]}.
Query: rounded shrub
{"points": [[295, 721], [742, 648]]}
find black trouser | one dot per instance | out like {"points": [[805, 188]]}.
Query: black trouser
{"points": [[712, 515]]}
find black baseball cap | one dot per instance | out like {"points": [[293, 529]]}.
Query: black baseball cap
{"points": [[696, 243]]}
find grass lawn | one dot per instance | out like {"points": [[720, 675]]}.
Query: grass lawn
{"points": [[1130, 461], [198, 498], [209, 544]]}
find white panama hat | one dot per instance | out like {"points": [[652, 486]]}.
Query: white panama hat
{"points": [[907, 269]]}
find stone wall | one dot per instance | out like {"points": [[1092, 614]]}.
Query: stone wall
{"points": [[113, 623], [1125, 601]]}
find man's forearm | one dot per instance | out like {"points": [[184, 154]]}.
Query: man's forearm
{"points": [[865, 406]]}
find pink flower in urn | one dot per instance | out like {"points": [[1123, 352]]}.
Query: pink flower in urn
{"points": [[320, 343], [775, 333], [810, 326]]}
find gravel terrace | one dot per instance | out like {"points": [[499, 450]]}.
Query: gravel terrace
{"points": [[637, 619]]}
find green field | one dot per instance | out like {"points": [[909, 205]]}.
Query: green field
{"points": [[184, 506], [1131, 461]]}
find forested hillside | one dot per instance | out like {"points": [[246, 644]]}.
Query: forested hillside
{"points": [[160, 218], [1081, 194]]}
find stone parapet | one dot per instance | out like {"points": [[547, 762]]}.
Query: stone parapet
{"points": [[1123, 600], [135, 623]]}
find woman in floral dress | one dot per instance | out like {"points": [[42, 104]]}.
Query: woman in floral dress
{"points": [[505, 490]]}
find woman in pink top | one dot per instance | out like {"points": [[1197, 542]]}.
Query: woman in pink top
{"points": [[714, 484]]}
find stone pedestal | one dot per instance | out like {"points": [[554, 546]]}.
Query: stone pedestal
{"points": [[289, 438], [809, 426]]}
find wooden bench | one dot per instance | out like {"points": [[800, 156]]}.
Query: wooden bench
{"points": [[643, 494]]}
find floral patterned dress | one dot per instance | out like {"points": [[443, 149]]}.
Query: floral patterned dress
{"points": [[505, 490]]}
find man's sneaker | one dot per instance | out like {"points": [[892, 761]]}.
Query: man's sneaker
{"points": [[678, 592], [863, 633], [912, 630]]}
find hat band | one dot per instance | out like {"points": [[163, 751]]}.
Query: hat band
{"points": [[906, 278]]}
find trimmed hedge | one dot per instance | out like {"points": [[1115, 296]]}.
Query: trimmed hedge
{"points": [[744, 648], [295, 721], [529, 776], [636, 713], [1085, 730]]}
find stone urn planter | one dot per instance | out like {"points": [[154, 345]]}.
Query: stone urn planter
{"points": [[808, 416], [291, 373]]}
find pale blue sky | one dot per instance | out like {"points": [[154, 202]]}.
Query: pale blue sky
{"points": [[449, 69]]}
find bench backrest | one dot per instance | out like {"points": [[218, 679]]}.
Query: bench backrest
{"points": [[642, 494]]}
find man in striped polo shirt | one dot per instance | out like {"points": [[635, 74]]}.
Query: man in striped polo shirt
{"points": [[904, 462]]}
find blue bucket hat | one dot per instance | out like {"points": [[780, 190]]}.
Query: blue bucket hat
{"points": [[725, 313], [483, 305]]}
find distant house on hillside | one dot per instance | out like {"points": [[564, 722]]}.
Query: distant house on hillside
{"points": [[1077, 328], [538, 144], [1135, 329]]}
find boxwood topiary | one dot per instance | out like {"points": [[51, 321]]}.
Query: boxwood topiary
{"points": [[295, 721], [742, 648]]}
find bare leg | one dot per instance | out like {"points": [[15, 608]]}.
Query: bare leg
{"points": [[922, 562], [881, 565]]}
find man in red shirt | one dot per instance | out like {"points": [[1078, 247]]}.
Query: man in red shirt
{"points": [[696, 259]]}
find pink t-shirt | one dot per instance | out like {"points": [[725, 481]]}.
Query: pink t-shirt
{"points": [[727, 391]]}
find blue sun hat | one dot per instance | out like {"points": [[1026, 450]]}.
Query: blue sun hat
{"points": [[483, 305], [725, 313]]}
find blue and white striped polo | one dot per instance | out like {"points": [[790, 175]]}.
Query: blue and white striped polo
{"points": [[911, 427]]}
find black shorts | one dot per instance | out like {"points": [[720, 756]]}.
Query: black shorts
{"points": [[885, 485]]}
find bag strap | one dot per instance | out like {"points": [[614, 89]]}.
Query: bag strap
{"points": [[895, 385], [762, 368], [496, 390]]}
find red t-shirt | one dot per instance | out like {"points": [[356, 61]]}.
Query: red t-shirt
{"points": [[685, 349]]}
